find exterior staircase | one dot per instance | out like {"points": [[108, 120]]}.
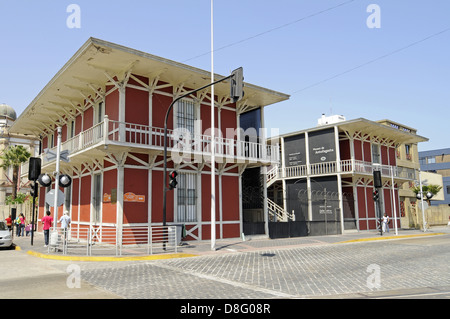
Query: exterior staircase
{"points": [[278, 213]]}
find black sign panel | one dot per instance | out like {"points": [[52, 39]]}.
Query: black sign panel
{"points": [[294, 150], [322, 146]]}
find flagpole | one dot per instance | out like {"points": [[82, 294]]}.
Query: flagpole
{"points": [[213, 159]]}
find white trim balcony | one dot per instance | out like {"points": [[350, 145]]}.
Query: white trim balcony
{"points": [[345, 167], [147, 139]]}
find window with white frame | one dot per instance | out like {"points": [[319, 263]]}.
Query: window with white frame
{"points": [[186, 116], [376, 154], [71, 129], [187, 197], [99, 114]]}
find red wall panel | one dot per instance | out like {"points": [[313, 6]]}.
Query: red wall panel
{"points": [[135, 181], [109, 184], [136, 106]]}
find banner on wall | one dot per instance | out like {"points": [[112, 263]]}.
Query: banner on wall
{"points": [[127, 197]]}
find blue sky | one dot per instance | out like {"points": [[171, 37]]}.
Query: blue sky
{"points": [[319, 51]]}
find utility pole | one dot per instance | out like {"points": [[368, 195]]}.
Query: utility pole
{"points": [[236, 94]]}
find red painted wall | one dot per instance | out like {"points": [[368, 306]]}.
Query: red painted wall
{"points": [[136, 106], [112, 105], [135, 181], [109, 208]]}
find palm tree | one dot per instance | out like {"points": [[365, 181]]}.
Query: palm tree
{"points": [[13, 157], [433, 189]]}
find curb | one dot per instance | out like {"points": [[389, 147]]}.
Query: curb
{"points": [[388, 237], [109, 258], [186, 255]]}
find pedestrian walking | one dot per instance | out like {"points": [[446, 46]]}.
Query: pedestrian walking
{"points": [[22, 224], [65, 223], [47, 221], [385, 222], [9, 222], [28, 229]]}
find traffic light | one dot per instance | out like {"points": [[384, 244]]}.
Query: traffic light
{"points": [[34, 190], [173, 180], [65, 180], [375, 195], [237, 85], [377, 179], [45, 180], [34, 168]]}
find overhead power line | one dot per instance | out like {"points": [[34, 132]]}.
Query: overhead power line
{"points": [[372, 61], [273, 29]]}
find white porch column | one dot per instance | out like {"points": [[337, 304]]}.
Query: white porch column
{"points": [[122, 90], [120, 193]]}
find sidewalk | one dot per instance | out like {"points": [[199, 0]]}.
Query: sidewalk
{"points": [[223, 246]]}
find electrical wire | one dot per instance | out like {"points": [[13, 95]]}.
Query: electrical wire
{"points": [[273, 29], [372, 61]]}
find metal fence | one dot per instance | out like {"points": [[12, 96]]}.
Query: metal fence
{"points": [[101, 241]]}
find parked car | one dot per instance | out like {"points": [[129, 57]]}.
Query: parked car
{"points": [[5, 235]]}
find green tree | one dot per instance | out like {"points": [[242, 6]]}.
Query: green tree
{"points": [[14, 156], [20, 199], [433, 189]]}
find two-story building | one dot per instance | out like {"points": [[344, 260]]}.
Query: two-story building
{"points": [[111, 102], [324, 184]]}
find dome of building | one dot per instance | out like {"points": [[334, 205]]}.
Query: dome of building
{"points": [[7, 111]]}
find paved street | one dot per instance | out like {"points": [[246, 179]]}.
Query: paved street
{"points": [[311, 271], [325, 267]]}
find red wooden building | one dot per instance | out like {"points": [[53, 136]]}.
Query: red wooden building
{"points": [[110, 102]]}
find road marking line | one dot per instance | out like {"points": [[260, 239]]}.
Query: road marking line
{"points": [[275, 293], [387, 237]]}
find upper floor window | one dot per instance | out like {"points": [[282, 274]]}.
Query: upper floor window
{"points": [[71, 129], [376, 154], [408, 151], [186, 116]]}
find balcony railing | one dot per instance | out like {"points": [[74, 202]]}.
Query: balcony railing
{"points": [[180, 144], [344, 166]]}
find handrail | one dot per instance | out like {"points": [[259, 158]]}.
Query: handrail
{"points": [[111, 240], [278, 211], [344, 166], [179, 142]]}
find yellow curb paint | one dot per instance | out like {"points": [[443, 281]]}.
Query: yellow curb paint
{"points": [[106, 258], [387, 237]]}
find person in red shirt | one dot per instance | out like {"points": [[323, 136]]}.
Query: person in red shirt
{"points": [[47, 221], [9, 222]]}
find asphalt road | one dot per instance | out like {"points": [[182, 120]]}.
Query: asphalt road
{"points": [[396, 269]]}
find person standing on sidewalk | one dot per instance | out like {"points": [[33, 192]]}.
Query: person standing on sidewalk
{"points": [[47, 221], [386, 223]]}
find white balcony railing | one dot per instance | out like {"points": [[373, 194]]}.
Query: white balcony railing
{"points": [[344, 166], [179, 143]]}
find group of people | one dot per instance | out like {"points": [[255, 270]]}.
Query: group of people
{"points": [[23, 227], [47, 221]]}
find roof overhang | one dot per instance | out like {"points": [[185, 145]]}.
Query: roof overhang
{"points": [[381, 131], [365, 128], [96, 61]]}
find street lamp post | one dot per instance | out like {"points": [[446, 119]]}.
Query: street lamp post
{"points": [[236, 94]]}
